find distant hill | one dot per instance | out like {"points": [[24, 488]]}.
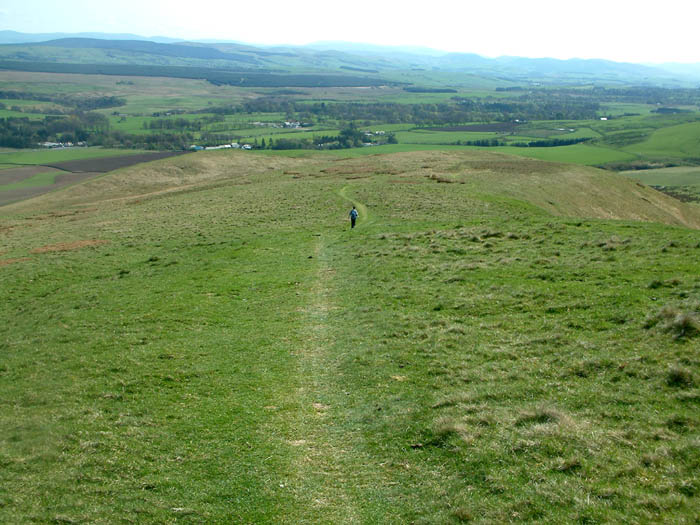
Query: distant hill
{"points": [[330, 57], [147, 47], [14, 37]]}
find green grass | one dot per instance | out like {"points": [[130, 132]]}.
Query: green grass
{"points": [[622, 108], [680, 176], [424, 136], [229, 351], [682, 140], [8, 113], [40, 179], [44, 156]]}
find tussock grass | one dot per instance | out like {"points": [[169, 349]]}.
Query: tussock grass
{"points": [[670, 319], [542, 415], [680, 377]]}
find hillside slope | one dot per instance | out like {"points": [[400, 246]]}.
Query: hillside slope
{"points": [[204, 339], [560, 189]]}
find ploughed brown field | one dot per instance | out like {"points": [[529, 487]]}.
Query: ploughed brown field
{"points": [[69, 172]]}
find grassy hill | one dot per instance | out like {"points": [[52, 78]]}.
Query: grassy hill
{"points": [[681, 141], [203, 339], [328, 57]]}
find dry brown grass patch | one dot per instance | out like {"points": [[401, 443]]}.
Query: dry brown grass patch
{"points": [[69, 246], [7, 262]]}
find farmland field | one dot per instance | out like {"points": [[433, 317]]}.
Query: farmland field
{"points": [[46, 171], [681, 182], [680, 176], [682, 140], [53, 156], [175, 113], [203, 339]]}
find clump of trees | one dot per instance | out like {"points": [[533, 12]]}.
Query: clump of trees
{"points": [[26, 133], [349, 137]]}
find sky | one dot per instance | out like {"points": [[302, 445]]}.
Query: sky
{"points": [[638, 31]]}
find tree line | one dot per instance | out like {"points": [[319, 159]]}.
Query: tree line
{"points": [[92, 128], [71, 102], [455, 110]]}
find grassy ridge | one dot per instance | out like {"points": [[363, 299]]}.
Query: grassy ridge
{"points": [[204, 339]]}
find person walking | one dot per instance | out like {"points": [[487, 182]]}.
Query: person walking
{"points": [[353, 217]]}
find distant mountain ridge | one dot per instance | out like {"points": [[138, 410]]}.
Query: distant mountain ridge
{"points": [[148, 47], [15, 37], [328, 56]]}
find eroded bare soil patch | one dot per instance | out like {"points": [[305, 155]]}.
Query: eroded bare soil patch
{"points": [[5, 262], [69, 246]]}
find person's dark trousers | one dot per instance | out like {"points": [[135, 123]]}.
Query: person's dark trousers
{"points": [[352, 222]]}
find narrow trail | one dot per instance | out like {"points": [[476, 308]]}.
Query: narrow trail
{"points": [[364, 217], [321, 481], [331, 468], [325, 471]]}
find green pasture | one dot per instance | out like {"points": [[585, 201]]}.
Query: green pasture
{"points": [[424, 136], [52, 156], [682, 141], [128, 124], [641, 122], [40, 179], [8, 113], [624, 108], [250, 135], [39, 105], [678, 176], [554, 131], [51, 84]]}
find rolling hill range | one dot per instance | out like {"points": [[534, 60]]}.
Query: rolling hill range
{"points": [[203, 338], [335, 56]]}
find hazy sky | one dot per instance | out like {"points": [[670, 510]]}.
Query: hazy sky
{"points": [[621, 30]]}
